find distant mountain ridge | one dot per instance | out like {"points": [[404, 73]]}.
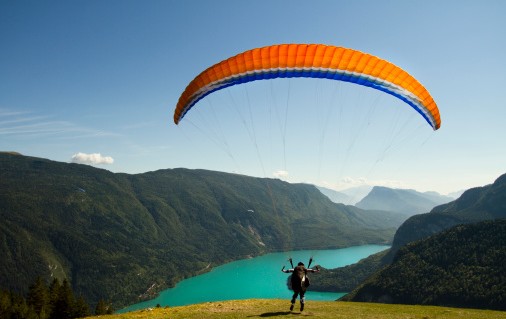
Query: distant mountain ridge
{"points": [[405, 201], [348, 196], [335, 196], [124, 237], [476, 204]]}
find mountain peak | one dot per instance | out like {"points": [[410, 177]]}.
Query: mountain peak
{"points": [[405, 201]]}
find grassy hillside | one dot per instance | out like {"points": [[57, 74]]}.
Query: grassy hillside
{"points": [[274, 308]]}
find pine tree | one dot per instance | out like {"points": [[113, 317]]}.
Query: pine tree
{"points": [[43, 302], [14, 306], [54, 292], [101, 308], [64, 306], [5, 304], [81, 308], [38, 298]]}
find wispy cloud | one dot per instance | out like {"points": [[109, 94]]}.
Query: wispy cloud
{"points": [[139, 125], [29, 125], [6, 112]]}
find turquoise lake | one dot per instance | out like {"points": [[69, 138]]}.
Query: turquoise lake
{"points": [[258, 277]]}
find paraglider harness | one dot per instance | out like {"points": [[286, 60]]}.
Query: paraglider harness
{"points": [[298, 281]]}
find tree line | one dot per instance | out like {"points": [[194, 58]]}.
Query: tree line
{"points": [[48, 301]]}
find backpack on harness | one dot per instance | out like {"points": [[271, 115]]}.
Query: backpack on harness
{"points": [[298, 280]]}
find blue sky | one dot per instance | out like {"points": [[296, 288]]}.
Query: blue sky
{"points": [[103, 77]]}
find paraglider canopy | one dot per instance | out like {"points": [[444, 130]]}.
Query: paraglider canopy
{"points": [[310, 61]]}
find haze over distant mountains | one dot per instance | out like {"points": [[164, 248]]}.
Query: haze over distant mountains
{"points": [[405, 201], [348, 196]]}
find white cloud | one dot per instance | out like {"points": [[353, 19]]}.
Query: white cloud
{"points": [[93, 159], [281, 174]]}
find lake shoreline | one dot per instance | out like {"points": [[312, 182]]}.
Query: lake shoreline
{"points": [[256, 277]]}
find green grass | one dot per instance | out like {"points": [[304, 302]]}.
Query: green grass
{"points": [[277, 308]]}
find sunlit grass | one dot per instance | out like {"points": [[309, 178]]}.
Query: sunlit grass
{"points": [[274, 308]]}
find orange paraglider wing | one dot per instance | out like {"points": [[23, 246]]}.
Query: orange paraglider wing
{"points": [[312, 61]]}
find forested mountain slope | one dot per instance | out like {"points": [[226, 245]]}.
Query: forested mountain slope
{"points": [[476, 204], [123, 237], [464, 266]]}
